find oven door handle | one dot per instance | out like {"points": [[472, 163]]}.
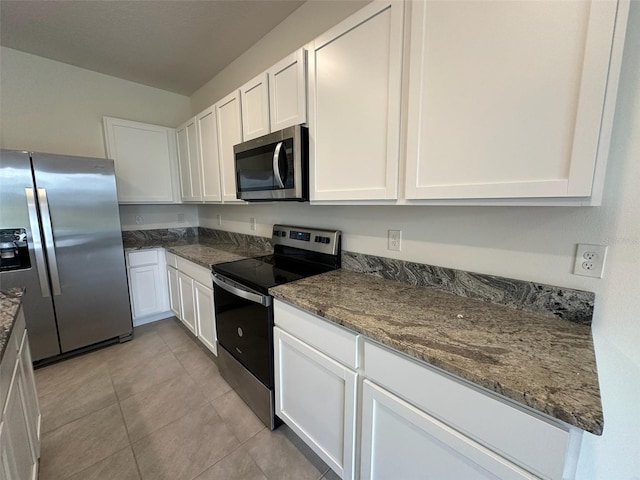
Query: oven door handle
{"points": [[264, 300]]}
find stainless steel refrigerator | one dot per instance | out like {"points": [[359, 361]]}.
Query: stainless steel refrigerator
{"points": [[61, 241]]}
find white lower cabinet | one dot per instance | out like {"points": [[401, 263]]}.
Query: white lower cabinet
{"points": [[20, 413], [316, 397], [187, 304], [372, 412], [401, 441], [191, 298], [147, 285], [316, 392], [174, 290], [205, 315]]}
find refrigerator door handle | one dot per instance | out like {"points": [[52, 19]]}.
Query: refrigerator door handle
{"points": [[36, 239], [48, 240]]}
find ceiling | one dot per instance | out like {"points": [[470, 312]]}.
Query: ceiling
{"points": [[174, 45]]}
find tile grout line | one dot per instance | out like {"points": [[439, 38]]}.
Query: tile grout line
{"points": [[126, 428]]}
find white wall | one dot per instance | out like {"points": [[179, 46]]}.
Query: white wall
{"points": [[53, 107], [48, 106], [530, 243], [303, 25], [149, 217]]}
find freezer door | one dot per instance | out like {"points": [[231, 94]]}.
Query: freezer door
{"points": [[18, 211], [82, 238]]}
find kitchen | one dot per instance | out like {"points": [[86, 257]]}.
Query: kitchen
{"points": [[65, 106]]}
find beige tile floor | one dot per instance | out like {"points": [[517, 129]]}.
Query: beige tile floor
{"points": [[156, 408]]}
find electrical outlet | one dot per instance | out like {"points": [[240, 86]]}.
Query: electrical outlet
{"points": [[252, 223], [394, 240], [590, 260], [139, 220], [181, 218], [219, 219]]}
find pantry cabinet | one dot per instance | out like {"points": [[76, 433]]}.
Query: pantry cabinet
{"points": [[145, 161], [147, 285], [310, 378], [512, 100], [354, 106], [189, 161], [229, 118]]}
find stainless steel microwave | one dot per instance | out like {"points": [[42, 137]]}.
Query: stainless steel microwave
{"points": [[274, 166]]}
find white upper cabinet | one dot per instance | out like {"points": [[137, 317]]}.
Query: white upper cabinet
{"points": [[275, 99], [512, 100], [288, 91], [354, 106], [208, 147], [229, 117], [189, 161], [255, 107], [145, 161]]}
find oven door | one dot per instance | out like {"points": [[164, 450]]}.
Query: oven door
{"points": [[244, 324], [273, 167]]}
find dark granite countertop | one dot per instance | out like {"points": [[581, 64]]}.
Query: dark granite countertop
{"points": [[10, 301], [538, 360], [204, 253]]}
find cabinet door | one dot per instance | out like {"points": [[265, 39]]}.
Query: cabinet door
{"points": [[146, 291], [354, 106], [316, 397], [31, 405], [288, 91], [20, 458], [210, 166], [187, 307], [174, 292], [506, 98], [145, 161], [189, 161], [255, 107], [229, 134], [7, 463], [400, 441], [205, 314]]}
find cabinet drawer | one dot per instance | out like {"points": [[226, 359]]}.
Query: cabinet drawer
{"points": [[197, 272], [143, 257], [171, 259], [337, 342], [526, 439]]}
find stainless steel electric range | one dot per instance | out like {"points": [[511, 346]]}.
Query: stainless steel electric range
{"points": [[244, 308]]}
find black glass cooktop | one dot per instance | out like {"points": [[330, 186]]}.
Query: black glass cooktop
{"points": [[262, 273]]}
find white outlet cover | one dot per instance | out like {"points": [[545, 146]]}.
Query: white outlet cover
{"points": [[589, 261], [394, 240]]}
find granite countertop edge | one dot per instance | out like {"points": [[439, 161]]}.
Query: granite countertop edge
{"points": [[351, 317], [10, 301]]}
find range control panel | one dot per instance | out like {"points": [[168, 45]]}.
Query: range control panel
{"points": [[323, 241]]}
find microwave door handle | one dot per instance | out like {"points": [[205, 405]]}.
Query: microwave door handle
{"points": [[276, 164], [263, 300], [36, 240]]}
